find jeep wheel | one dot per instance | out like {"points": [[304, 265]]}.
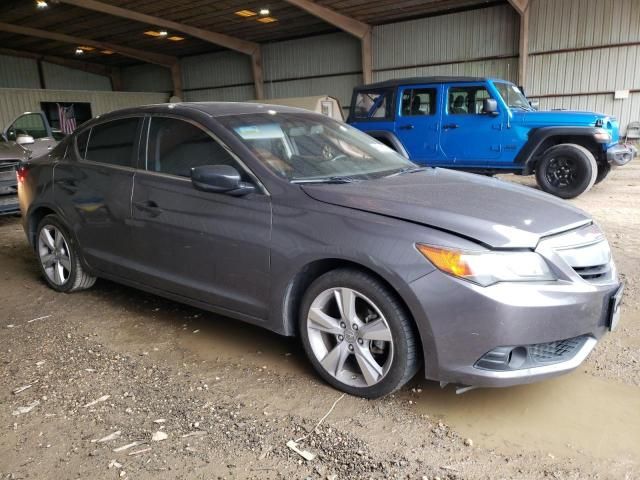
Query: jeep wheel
{"points": [[566, 170], [603, 171]]}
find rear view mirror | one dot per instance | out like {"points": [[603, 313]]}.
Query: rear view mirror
{"points": [[220, 179], [25, 140], [490, 106]]}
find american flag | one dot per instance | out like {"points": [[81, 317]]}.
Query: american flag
{"points": [[67, 118]]}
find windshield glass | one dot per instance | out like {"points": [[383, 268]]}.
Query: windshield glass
{"points": [[306, 147], [512, 96]]}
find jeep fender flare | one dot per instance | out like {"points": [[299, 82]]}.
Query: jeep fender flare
{"points": [[537, 137], [389, 137]]}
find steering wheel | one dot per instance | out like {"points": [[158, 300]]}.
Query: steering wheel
{"points": [[329, 154]]}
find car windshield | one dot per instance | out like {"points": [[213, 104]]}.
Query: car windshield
{"points": [[308, 148], [512, 96]]}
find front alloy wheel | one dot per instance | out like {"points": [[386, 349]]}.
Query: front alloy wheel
{"points": [[357, 334]]}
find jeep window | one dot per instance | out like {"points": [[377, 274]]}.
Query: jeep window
{"points": [[418, 101], [512, 96], [467, 100], [372, 104]]}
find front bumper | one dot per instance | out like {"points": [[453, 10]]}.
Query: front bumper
{"points": [[9, 204], [621, 154]]}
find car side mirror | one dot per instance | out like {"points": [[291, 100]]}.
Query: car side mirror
{"points": [[25, 140], [490, 106], [220, 179], [535, 104]]}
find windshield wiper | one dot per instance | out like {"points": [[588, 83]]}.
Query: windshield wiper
{"points": [[324, 180], [407, 170]]}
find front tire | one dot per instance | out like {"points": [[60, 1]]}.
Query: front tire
{"points": [[566, 170], [603, 170], [58, 257], [357, 335]]}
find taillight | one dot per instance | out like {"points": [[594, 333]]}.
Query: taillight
{"points": [[21, 173]]}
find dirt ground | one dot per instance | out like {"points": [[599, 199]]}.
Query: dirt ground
{"points": [[116, 361]]}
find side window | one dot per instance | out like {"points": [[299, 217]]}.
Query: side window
{"points": [[176, 146], [467, 100], [372, 105], [81, 142], [30, 124], [418, 101], [113, 142]]}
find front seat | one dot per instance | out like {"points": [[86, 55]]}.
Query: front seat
{"points": [[458, 105], [415, 106]]}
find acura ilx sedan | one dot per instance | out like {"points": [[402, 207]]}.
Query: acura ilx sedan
{"points": [[305, 226]]}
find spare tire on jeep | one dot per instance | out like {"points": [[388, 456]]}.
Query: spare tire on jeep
{"points": [[566, 170]]}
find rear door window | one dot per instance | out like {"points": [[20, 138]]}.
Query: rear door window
{"points": [[114, 142], [418, 101], [372, 105]]}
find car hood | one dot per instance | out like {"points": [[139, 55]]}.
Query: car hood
{"points": [[490, 211], [560, 117], [12, 151]]}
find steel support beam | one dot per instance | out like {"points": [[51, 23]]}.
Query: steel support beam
{"points": [[522, 7], [232, 43], [347, 24]]}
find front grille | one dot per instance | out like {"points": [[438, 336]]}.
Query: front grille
{"points": [[593, 273], [8, 170], [555, 351]]}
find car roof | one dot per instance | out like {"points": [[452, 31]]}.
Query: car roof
{"points": [[395, 82], [212, 109]]}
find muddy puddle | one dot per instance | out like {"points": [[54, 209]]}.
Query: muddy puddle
{"points": [[572, 415]]}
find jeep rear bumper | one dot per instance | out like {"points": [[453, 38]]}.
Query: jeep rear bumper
{"points": [[621, 154]]}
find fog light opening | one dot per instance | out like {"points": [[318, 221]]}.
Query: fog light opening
{"points": [[517, 357]]}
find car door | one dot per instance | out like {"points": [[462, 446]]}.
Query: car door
{"points": [[92, 187], [32, 131], [417, 123], [211, 247], [468, 136]]}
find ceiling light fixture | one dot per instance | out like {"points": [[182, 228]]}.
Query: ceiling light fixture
{"points": [[264, 11], [41, 4], [152, 33], [79, 51], [175, 38], [246, 13], [86, 49], [267, 20], [163, 33], [107, 52]]}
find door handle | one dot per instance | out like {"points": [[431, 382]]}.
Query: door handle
{"points": [[406, 127], [149, 207], [450, 126]]}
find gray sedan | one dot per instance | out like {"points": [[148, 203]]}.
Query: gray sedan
{"points": [[308, 227]]}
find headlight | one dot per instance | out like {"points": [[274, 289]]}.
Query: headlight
{"points": [[602, 136], [487, 268]]}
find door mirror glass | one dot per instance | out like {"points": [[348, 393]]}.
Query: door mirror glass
{"points": [[24, 139], [220, 179], [490, 106]]}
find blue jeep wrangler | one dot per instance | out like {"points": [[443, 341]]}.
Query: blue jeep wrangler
{"points": [[488, 126]]}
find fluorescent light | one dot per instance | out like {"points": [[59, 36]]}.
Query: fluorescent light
{"points": [[175, 38], [79, 51], [246, 13], [107, 52], [163, 33], [86, 49], [264, 11], [41, 4], [152, 33], [267, 20]]}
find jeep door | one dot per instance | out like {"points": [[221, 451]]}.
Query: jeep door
{"points": [[417, 123], [207, 246], [92, 187], [468, 136]]}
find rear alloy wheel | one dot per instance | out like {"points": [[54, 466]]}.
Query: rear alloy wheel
{"points": [[357, 335], [567, 170], [59, 263]]}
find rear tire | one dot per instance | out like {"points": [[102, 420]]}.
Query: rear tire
{"points": [[566, 170], [58, 256], [603, 171], [357, 334]]}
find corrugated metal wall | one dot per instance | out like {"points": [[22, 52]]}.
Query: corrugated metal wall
{"points": [[18, 72], [57, 77], [582, 51], [16, 101], [147, 78], [476, 42]]}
